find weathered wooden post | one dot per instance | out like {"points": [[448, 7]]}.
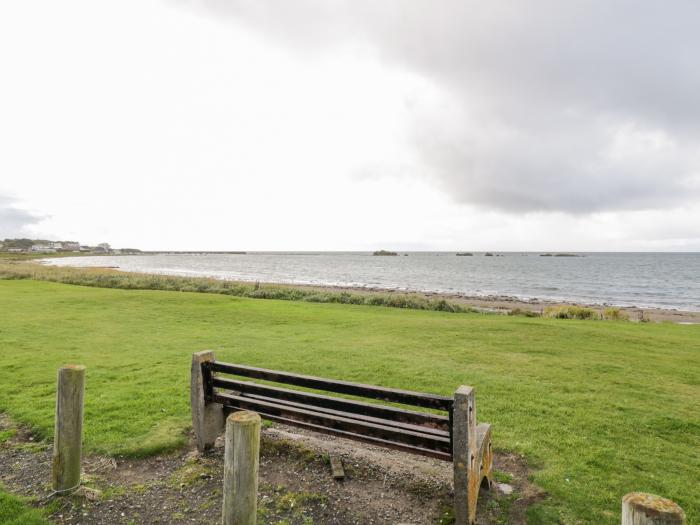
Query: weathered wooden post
{"points": [[68, 428], [464, 455], [241, 458], [639, 508], [207, 417]]}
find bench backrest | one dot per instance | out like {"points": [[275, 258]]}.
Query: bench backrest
{"points": [[453, 435], [420, 432]]}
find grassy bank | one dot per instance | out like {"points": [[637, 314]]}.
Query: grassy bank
{"points": [[21, 268], [17, 267], [599, 409]]}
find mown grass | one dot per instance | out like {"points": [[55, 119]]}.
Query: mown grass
{"points": [[598, 409], [16, 511]]}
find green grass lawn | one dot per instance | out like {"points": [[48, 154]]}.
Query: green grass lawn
{"points": [[14, 511], [598, 408]]}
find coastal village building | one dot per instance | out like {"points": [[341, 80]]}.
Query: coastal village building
{"points": [[44, 248], [71, 246]]}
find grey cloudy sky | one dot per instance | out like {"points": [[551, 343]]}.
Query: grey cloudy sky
{"points": [[353, 124]]}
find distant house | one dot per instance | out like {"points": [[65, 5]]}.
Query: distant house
{"points": [[102, 248], [57, 245], [70, 246], [15, 250], [43, 248]]}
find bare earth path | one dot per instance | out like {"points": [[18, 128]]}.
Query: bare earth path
{"points": [[296, 486]]}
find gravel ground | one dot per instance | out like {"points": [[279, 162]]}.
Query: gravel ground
{"points": [[296, 486]]}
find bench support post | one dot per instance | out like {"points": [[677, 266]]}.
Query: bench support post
{"points": [[464, 457], [207, 417]]}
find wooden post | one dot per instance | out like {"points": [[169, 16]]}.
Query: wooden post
{"points": [[241, 457], [639, 508], [464, 455], [68, 428], [207, 417]]}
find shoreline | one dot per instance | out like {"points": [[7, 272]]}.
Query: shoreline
{"points": [[502, 304], [505, 303]]}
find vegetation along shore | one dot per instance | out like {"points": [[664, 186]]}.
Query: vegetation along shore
{"points": [[27, 266]]}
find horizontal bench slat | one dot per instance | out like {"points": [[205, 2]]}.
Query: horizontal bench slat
{"points": [[350, 415], [346, 405], [346, 424], [445, 456], [393, 395]]}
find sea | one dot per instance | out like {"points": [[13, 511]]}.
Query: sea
{"points": [[647, 280]]}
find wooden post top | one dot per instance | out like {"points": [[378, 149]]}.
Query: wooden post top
{"points": [[76, 368], [654, 507], [245, 417], [204, 356], [465, 390]]}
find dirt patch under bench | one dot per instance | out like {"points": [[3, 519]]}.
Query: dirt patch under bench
{"points": [[296, 486]]}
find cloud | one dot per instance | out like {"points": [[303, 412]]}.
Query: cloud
{"points": [[14, 221], [581, 106]]}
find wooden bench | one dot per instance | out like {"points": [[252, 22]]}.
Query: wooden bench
{"points": [[452, 435]]}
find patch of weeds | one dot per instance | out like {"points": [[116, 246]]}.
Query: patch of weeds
{"points": [[6, 435], [615, 314], [570, 312], [189, 474], [447, 516], [502, 477], [139, 488], [111, 493], [285, 447], [499, 509], [288, 507], [523, 312], [31, 446], [207, 504]]}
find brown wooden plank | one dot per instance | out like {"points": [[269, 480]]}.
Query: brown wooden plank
{"points": [[337, 468], [351, 415], [402, 415], [405, 397], [390, 434], [445, 456]]}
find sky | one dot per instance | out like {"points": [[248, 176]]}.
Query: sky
{"points": [[352, 124]]}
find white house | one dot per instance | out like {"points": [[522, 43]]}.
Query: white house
{"points": [[43, 248]]}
